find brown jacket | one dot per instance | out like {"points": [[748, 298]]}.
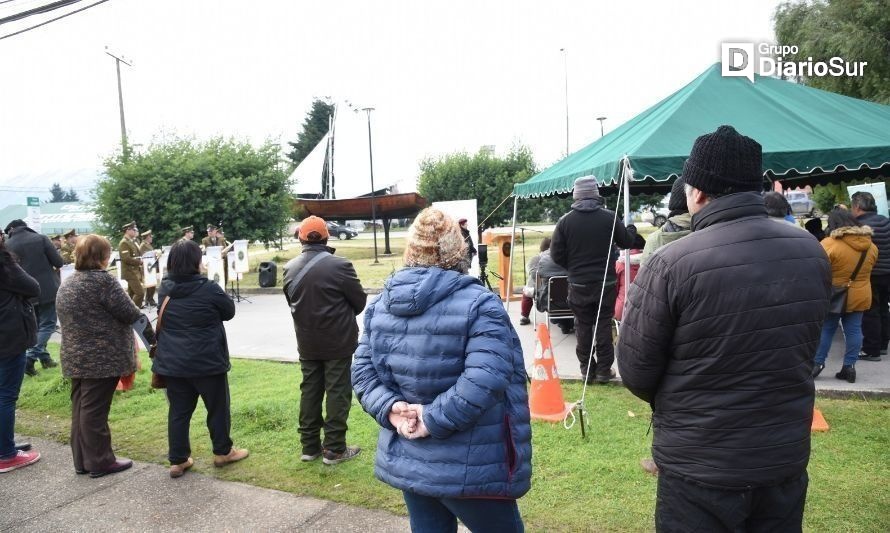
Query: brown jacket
{"points": [[96, 316], [844, 247]]}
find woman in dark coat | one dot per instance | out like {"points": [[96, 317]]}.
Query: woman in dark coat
{"points": [[193, 356], [440, 368], [97, 349], [18, 329]]}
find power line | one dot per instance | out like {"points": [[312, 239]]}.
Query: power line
{"points": [[38, 10], [53, 19]]}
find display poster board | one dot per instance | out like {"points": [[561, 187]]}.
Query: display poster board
{"points": [[149, 274], [215, 267], [242, 264], [162, 264], [233, 273], [458, 209], [878, 190], [33, 216]]}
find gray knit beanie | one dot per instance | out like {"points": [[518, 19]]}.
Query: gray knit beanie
{"points": [[585, 188]]}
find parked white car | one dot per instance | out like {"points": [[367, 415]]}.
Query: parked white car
{"points": [[801, 203]]}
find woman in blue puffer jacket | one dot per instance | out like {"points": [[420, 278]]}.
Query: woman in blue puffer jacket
{"points": [[440, 367]]}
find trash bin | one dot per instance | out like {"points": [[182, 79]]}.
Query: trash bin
{"points": [[268, 274]]}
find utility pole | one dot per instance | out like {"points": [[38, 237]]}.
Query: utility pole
{"points": [[565, 65], [125, 149], [373, 194]]}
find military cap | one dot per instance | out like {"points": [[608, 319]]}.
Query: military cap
{"points": [[129, 225], [210, 227], [145, 233], [186, 229], [70, 233], [55, 237]]}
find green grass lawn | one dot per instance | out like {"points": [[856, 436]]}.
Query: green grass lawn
{"points": [[577, 485]]}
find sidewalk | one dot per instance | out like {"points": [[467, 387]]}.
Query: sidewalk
{"points": [[49, 496]]}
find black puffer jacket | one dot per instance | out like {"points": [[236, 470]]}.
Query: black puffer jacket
{"points": [[38, 258], [581, 242], [880, 226], [18, 325], [719, 334], [192, 341], [324, 304]]}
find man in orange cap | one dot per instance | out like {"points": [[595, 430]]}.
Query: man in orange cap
{"points": [[325, 295]]}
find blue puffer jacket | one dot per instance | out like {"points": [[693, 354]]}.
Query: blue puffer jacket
{"points": [[438, 338]]}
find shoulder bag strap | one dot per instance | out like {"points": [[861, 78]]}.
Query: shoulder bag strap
{"points": [[858, 266], [160, 315], [312, 262]]}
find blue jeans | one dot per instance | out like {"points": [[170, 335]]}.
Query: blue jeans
{"points": [[46, 325], [434, 515], [12, 371], [852, 324]]}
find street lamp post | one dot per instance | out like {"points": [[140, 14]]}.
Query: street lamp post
{"points": [[373, 194], [120, 98], [601, 119], [565, 66]]}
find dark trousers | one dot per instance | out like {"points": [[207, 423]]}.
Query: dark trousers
{"points": [[183, 395], [876, 321], [684, 506], [584, 300], [150, 294], [435, 515], [320, 378], [12, 370], [46, 326], [90, 434]]}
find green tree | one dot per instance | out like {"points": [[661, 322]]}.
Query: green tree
{"points": [[58, 194], [314, 128], [857, 30], [484, 176], [182, 182], [71, 196]]}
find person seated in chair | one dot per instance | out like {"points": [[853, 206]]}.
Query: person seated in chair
{"points": [[547, 268]]}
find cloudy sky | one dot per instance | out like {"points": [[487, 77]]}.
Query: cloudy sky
{"points": [[443, 75]]}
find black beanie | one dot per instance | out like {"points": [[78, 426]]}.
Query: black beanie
{"points": [[725, 162], [677, 202]]}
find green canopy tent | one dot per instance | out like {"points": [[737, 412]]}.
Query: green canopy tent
{"points": [[805, 133]]}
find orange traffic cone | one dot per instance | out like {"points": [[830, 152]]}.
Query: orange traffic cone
{"points": [[819, 422], [545, 397]]}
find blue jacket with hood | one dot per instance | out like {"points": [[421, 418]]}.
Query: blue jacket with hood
{"points": [[438, 338]]}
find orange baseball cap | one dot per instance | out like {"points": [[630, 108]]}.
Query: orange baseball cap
{"points": [[313, 224]]}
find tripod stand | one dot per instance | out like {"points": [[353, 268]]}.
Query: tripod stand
{"points": [[235, 290]]}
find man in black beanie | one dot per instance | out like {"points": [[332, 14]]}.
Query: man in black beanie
{"points": [[582, 244], [719, 332], [679, 222]]}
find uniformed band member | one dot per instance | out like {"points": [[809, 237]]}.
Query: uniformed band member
{"points": [[188, 233], [144, 247], [57, 241], [67, 250], [213, 238], [131, 263]]}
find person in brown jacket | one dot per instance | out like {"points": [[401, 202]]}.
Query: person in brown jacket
{"points": [[97, 349], [847, 243]]}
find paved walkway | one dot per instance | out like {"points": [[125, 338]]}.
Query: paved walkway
{"points": [[263, 329], [49, 496]]}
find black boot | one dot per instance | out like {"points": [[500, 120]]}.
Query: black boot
{"points": [[48, 363], [848, 373], [29, 368]]}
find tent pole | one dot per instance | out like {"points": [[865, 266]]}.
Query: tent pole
{"points": [[512, 248], [627, 220]]}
